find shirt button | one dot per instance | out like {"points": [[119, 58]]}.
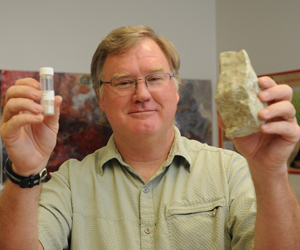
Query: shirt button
{"points": [[147, 230], [145, 190]]}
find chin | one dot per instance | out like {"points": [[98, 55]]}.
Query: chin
{"points": [[144, 128]]}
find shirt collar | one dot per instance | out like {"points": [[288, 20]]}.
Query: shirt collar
{"points": [[180, 147], [108, 153]]}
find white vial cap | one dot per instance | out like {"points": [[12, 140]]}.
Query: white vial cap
{"points": [[46, 71]]}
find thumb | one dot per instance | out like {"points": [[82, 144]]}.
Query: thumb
{"points": [[53, 119]]}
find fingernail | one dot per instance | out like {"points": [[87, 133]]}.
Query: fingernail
{"points": [[265, 95], [39, 108], [265, 126], [39, 117], [36, 95], [265, 113]]}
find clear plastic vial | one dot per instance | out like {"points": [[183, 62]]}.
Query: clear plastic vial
{"points": [[47, 88]]}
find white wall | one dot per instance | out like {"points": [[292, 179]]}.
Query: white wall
{"points": [[268, 30]]}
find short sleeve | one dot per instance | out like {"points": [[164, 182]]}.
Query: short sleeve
{"points": [[242, 198], [55, 210]]}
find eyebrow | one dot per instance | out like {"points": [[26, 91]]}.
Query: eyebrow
{"points": [[156, 68], [150, 70], [117, 75]]}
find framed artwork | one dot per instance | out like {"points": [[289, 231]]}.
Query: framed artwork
{"points": [[194, 110], [80, 131]]}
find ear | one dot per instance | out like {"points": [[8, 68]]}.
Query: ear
{"points": [[220, 121], [101, 102], [177, 97]]}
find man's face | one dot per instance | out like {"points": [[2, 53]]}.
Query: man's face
{"points": [[144, 112]]}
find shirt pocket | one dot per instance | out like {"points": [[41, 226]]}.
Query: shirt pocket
{"points": [[197, 225]]}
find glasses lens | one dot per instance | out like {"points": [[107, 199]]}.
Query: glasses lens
{"points": [[157, 80], [127, 84], [123, 83]]}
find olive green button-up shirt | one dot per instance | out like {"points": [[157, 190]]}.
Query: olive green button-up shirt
{"points": [[201, 198]]}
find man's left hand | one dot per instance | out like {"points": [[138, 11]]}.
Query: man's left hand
{"points": [[269, 149]]}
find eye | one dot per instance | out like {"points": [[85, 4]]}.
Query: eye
{"points": [[154, 78], [123, 81]]}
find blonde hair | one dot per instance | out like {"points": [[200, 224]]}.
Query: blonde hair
{"points": [[123, 39]]}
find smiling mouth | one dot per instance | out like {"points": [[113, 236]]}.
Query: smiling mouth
{"points": [[141, 112]]}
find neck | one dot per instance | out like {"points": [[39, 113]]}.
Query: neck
{"points": [[145, 155]]}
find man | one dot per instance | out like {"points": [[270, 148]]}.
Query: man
{"points": [[149, 188]]}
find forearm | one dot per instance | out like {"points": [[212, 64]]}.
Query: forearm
{"points": [[19, 217], [278, 214]]}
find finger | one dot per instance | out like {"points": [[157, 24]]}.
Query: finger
{"points": [[14, 125], [276, 93], [266, 82], [29, 82], [283, 109], [288, 131], [15, 106], [23, 91]]}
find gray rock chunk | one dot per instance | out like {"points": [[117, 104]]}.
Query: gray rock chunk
{"points": [[236, 95]]}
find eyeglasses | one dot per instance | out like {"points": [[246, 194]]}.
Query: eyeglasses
{"points": [[127, 84]]}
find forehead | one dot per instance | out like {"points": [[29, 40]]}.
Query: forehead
{"points": [[146, 57]]}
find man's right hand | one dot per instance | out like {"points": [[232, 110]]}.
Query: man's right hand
{"points": [[28, 136]]}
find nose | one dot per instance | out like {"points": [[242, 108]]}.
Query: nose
{"points": [[141, 93]]}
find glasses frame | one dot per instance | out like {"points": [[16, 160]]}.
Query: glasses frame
{"points": [[136, 80]]}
